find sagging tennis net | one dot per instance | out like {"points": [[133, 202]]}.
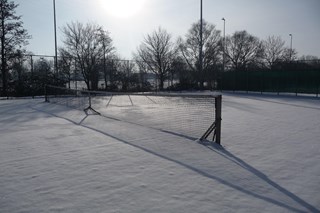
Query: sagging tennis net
{"points": [[194, 116]]}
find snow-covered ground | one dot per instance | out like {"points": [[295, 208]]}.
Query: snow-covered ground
{"points": [[57, 159]]}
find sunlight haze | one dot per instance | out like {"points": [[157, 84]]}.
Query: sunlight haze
{"points": [[122, 8], [129, 21]]}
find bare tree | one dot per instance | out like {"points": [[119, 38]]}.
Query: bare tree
{"points": [[273, 50], [83, 42], [65, 64], [243, 49], [308, 58], [289, 54], [18, 67], [125, 72], [211, 49], [157, 51], [143, 70], [182, 72], [12, 37], [108, 53]]}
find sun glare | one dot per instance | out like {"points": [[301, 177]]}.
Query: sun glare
{"points": [[122, 8]]}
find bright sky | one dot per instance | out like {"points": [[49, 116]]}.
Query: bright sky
{"points": [[129, 21]]}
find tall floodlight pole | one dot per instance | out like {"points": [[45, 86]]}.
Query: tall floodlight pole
{"points": [[104, 61], [201, 44], [290, 46], [224, 44], [55, 38]]}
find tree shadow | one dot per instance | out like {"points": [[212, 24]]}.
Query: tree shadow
{"points": [[228, 155], [16, 113]]}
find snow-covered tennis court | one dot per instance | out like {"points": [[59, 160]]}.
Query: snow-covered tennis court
{"points": [[57, 159]]}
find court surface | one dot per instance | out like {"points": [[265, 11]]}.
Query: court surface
{"points": [[57, 159]]}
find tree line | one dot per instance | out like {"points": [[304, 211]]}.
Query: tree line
{"points": [[88, 54]]}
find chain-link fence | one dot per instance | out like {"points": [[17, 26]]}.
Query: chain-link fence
{"points": [[30, 73], [285, 77]]}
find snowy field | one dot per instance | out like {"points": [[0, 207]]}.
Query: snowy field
{"points": [[58, 159]]}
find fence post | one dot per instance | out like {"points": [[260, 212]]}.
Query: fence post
{"points": [[318, 89], [278, 76], [32, 81], [89, 99], [296, 75], [218, 116], [261, 82], [234, 81], [46, 93], [248, 74]]}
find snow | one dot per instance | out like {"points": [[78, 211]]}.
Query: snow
{"points": [[58, 159]]}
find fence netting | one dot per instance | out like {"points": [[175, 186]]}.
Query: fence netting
{"points": [[292, 77], [29, 73]]}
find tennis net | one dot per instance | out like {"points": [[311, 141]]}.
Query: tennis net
{"points": [[192, 115]]}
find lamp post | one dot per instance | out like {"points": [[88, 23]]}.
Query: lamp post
{"points": [[290, 46], [102, 35], [201, 44], [55, 38], [224, 43]]}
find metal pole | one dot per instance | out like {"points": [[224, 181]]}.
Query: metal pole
{"points": [[46, 93], [104, 64], [32, 82], [224, 50], [75, 74], [290, 46], [55, 38], [218, 115], [224, 42], [201, 43]]}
